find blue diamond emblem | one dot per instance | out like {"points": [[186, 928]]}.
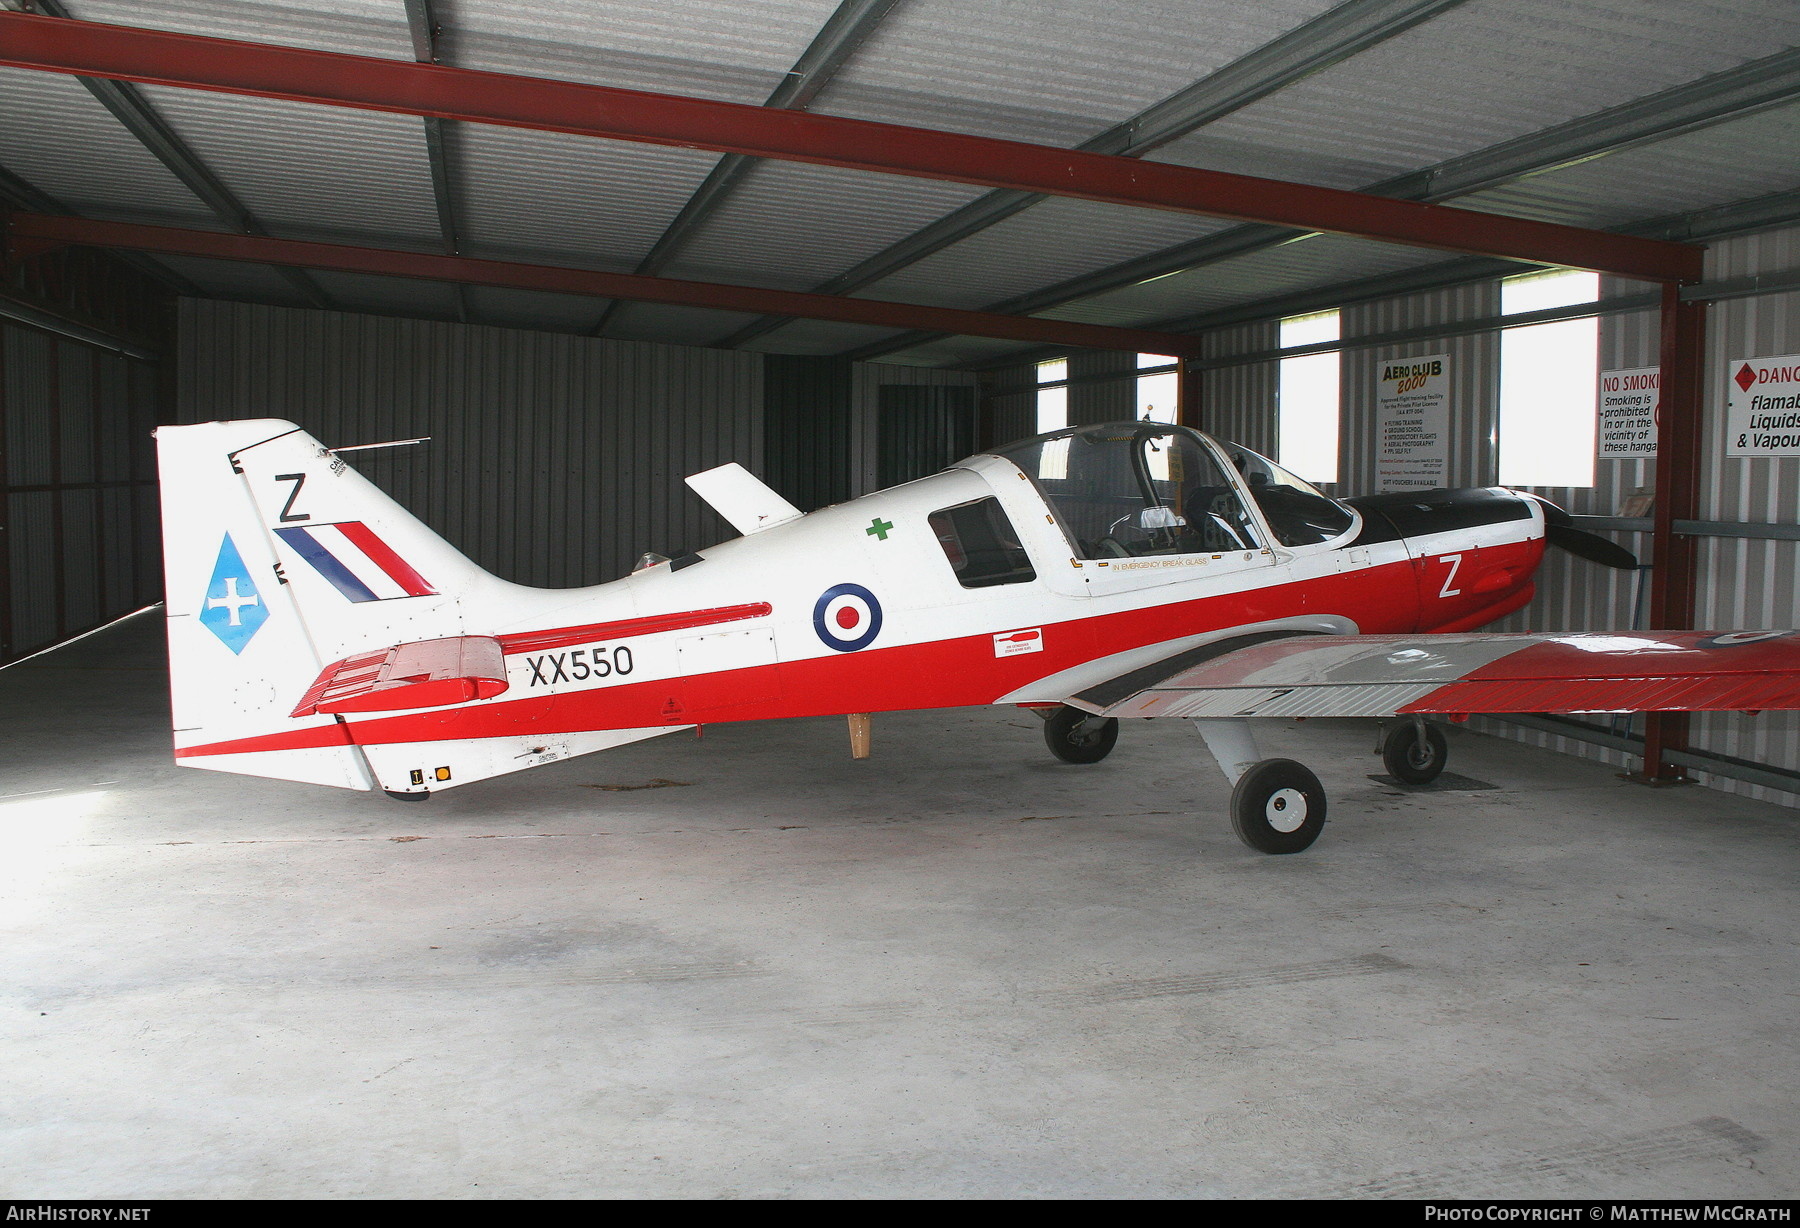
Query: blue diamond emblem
{"points": [[233, 609]]}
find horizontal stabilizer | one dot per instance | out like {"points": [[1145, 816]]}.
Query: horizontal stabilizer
{"points": [[422, 674], [742, 498]]}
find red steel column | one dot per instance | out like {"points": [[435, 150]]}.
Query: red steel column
{"points": [[1188, 406], [1674, 573]]}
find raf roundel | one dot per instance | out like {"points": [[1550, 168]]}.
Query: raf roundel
{"points": [[847, 617], [1731, 639]]}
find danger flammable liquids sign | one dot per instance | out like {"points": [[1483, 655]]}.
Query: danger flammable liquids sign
{"points": [[1762, 413]]}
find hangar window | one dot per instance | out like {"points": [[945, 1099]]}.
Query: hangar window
{"points": [[1156, 393], [1052, 403], [1307, 398], [981, 545], [1053, 409], [1549, 376]]}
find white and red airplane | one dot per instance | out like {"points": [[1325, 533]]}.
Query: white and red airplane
{"points": [[318, 632]]}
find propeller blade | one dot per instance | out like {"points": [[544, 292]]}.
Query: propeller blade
{"points": [[1591, 546]]}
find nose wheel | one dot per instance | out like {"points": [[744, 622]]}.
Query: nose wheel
{"points": [[1278, 806], [1414, 753], [1076, 737]]}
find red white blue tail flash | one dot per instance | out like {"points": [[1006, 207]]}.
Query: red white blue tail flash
{"points": [[357, 562]]}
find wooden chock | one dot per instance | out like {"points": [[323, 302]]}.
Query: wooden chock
{"points": [[860, 727]]}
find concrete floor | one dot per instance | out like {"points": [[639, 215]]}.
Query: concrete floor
{"points": [[959, 969]]}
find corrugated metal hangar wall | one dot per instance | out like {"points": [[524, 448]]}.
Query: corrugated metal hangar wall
{"points": [[78, 524], [80, 512], [554, 460]]}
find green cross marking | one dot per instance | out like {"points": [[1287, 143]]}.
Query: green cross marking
{"points": [[878, 529]]}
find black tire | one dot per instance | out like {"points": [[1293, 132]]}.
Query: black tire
{"points": [[1076, 737], [1278, 807], [423, 795], [1410, 759]]}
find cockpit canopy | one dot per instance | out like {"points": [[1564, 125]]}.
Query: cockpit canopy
{"points": [[1145, 488]]}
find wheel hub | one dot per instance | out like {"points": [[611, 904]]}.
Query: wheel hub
{"points": [[1286, 810]]}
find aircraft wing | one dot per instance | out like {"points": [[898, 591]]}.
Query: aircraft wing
{"points": [[1292, 675]]}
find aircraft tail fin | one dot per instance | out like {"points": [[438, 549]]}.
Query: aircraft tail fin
{"points": [[280, 560]]}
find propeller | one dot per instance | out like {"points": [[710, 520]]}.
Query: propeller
{"points": [[1560, 530]]}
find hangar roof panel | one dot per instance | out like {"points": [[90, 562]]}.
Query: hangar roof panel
{"points": [[1245, 279], [722, 49], [60, 140], [236, 280], [509, 308], [403, 296], [821, 338], [1049, 243], [793, 225], [1051, 75], [1442, 79], [1484, 72], [548, 196], [677, 325], [353, 27], [1747, 158], [365, 171]]}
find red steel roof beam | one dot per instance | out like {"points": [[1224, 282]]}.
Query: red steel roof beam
{"points": [[302, 75], [36, 231]]}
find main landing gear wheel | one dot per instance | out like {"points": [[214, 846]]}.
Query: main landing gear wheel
{"points": [[1278, 807], [1075, 737], [1414, 753]]}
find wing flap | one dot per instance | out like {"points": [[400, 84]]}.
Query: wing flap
{"points": [[1105, 698], [1300, 701]]}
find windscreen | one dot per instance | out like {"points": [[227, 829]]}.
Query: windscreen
{"points": [[1297, 512], [1132, 490]]}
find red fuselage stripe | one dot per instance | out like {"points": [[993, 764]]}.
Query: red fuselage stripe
{"points": [[626, 628]]}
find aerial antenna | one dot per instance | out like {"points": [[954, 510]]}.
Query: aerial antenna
{"points": [[392, 443]]}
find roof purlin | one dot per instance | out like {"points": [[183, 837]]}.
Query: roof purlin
{"points": [[361, 82]]}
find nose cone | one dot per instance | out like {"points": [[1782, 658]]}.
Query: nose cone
{"points": [[1474, 550]]}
